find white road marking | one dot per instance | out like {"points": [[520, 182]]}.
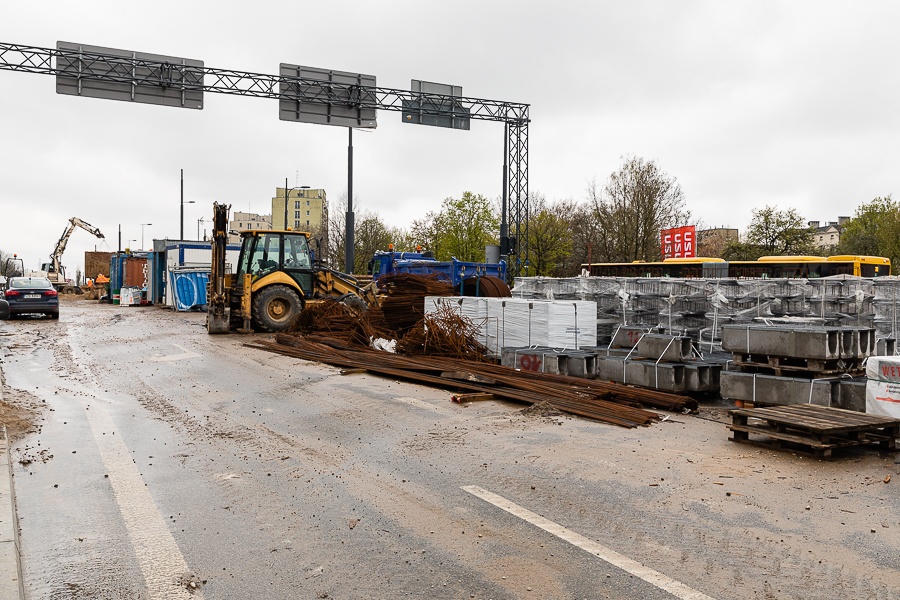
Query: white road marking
{"points": [[162, 564], [185, 354], [676, 588]]}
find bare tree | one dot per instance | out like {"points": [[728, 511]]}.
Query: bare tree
{"points": [[334, 254], [638, 201], [549, 236], [4, 257], [370, 236]]}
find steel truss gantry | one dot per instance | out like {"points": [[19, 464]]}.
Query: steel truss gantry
{"points": [[136, 71]]}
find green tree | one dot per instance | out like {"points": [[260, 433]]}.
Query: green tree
{"points": [[637, 202], [777, 232], [463, 227], [424, 233], [874, 230], [742, 251], [549, 236]]}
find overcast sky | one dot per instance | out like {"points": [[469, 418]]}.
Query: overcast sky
{"points": [[747, 104]]}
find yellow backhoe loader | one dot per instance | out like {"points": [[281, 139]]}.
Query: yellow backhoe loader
{"points": [[274, 280]]}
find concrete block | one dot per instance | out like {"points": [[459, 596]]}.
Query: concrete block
{"points": [[885, 347], [666, 348], [525, 358], [555, 363], [852, 394], [702, 377], [663, 376], [783, 340], [575, 363], [867, 342], [627, 336], [799, 341], [581, 364], [770, 389]]}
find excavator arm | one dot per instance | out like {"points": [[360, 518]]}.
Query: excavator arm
{"points": [[217, 318], [56, 255]]}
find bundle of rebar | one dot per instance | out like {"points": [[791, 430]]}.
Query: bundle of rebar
{"points": [[444, 332], [486, 286], [608, 402], [404, 302], [337, 320]]}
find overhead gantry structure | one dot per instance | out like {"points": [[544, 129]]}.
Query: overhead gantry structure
{"points": [[305, 94]]}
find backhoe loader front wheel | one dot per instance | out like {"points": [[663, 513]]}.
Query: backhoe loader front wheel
{"points": [[276, 308]]}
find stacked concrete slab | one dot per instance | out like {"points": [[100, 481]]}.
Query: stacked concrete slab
{"points": [[789, 364]]}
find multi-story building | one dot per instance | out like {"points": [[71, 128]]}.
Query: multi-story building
{"points": [[243, 221], [712, 242], [829, 235], [300, 209]]}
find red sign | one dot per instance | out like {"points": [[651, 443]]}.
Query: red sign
{"points": [[679, 242]]}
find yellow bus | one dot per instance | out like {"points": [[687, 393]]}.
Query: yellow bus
{"points": [[767, 267]]}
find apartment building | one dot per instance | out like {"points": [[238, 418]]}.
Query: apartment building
{"points": [[300, 209], [243, 221]]}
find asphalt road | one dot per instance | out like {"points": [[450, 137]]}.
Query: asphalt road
{"points": [[173, 464]]}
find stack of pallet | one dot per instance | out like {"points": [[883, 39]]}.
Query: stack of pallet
{"points": [[791, 364]]}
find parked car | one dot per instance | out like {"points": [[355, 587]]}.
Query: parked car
{"points": [[4, 309], [29, 295]]}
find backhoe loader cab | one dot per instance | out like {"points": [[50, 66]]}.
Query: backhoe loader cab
{"points": [[266, 252], [277, 266]]}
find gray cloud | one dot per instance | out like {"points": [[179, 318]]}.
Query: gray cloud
{"points": [[747, 104]]}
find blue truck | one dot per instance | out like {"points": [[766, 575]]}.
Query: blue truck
{"points": [[464, 276]]}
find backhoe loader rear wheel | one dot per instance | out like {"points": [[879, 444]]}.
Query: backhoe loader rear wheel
{"points": [[276, 308]]}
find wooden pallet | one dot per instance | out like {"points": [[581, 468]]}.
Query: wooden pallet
{"points": [[813, 430], [807, 367]]}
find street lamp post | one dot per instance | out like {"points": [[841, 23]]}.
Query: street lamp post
{"points": [[181, 234], [142, 233], [287, 193], [200, 220]]}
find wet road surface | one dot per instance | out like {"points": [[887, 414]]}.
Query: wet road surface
{"points": [[173, 464]]}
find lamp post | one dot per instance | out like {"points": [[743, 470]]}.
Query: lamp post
{"points": [[181, 234], [142, 233], [200, 220], [128, 244], [287, 193]]}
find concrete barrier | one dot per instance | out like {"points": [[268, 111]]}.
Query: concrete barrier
{"points": [[771, 389], [800, 341]]}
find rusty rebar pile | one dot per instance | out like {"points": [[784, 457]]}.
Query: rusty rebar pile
{"points": [[335, 319], [444, 332], [404, 302], [607, 402]]}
